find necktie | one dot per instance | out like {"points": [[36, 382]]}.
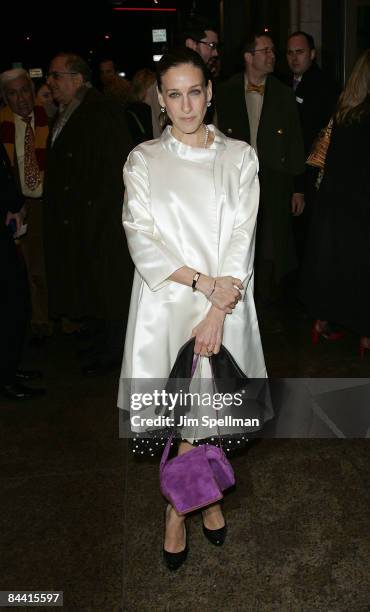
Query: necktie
{"points": [[296, 82], [258, 88], [32, 176]]}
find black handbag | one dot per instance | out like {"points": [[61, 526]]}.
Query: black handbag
{"points": [[228, 376]]}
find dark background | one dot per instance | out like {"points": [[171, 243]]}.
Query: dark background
{"points": [[32, 32], [36, 31]]}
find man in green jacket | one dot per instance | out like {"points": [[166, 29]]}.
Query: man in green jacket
{"points": [[256, 107]]}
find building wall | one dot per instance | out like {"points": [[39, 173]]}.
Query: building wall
{"points": [[341, 29], [306, 15], [311, 21]]}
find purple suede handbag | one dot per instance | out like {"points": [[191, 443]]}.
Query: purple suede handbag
{"points": [[197, 478]]}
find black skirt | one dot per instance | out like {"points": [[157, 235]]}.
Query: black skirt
{"points": [[152, 444]]}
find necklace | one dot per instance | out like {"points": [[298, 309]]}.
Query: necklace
{"points": [[206, 128]]}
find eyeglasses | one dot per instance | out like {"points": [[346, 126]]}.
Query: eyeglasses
{"points": [[265, 50], [57, 74], [211, 45]]}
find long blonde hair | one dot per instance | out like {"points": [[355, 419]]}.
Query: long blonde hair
{"points": [[354, 99]]}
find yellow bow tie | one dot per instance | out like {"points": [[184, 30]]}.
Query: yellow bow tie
{"points": [[258, 88]]}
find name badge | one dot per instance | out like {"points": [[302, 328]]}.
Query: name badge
{"points": [[299, 100]]}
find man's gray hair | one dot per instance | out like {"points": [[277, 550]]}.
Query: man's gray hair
{"points": [[10, 75]]}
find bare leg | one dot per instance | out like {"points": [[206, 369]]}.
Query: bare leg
{"points": [[213, 517], [184, 447], [174, 540]]}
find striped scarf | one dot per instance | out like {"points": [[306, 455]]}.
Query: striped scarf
{"points": [[7, 134]]}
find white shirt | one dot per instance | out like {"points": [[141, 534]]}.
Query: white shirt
{"points": [[254, 103]]}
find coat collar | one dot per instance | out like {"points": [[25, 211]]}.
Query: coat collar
{"points": [[195, 154], [90, 97], [309, 78]]}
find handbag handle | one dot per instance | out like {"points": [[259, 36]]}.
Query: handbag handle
{"points": [[214, 388], [166, 451], [194, 364], [167, 448]]}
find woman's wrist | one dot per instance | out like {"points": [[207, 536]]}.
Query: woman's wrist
{"points": [[205, 284], [217, 313]]}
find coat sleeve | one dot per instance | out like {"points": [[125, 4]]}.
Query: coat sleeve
{"points": [[153, 259], [295, 158], [10, 199], [240, 253]]}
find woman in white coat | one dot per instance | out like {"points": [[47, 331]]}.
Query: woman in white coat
{"points": [[189, 214]]}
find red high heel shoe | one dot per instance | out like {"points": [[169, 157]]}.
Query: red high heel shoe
{"points": [[324, 330], [364, 345]]}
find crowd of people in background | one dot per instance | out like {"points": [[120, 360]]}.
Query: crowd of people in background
{"points": [[64, 260]]}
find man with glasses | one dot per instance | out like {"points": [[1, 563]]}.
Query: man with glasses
{"points": [[88, 268], [200, 35], [256, 107]]}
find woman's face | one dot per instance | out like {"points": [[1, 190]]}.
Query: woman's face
{"points": [[44, 96], [185, 96]]}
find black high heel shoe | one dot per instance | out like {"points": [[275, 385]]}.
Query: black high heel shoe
{"points": [[175, 560], [216, 536]]}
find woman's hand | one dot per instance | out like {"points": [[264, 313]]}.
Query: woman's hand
{"points": [[226, 294], [208, 333], [223, 292]]}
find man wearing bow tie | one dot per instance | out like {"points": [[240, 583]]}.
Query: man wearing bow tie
{"points": [[256, 107], [199, 35]]}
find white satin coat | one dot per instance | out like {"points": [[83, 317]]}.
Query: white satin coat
{"points": [[195, 207]]}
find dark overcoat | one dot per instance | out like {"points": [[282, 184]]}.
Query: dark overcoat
{"points": [[88, 265], [14, 302], [336, 271], [316, 96], [281, 157]]}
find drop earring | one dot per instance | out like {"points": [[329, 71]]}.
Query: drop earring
{"points": [[163, 109], [208, 104]]}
